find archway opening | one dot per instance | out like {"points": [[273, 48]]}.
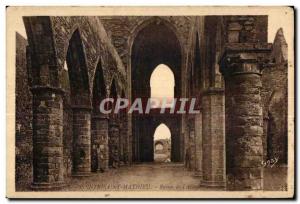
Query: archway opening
{"points": [[162, 144], [99, 144], [162, 83], [76, 106], [156, 48], [77, 71]]}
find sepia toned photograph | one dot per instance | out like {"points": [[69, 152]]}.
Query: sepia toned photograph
{"points": [[150, 102]]}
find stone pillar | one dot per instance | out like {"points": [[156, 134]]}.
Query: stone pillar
{"points": [[265, 137], [130, 139], [113, 142], [241, 67], [121, 141], [192, 145], [81, 141], [47, 138], [186, 143], [100, 141], [213, 143], [124, 135], [198, 142]]}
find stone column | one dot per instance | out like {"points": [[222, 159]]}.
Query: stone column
{"points": [[124, 135], [265, 137], [130, 139], [100, 141], [241, 68], [213, 143], [113, 142], [192, 145], [121, 141], [81, 141], [198, 142], [47, 138]]}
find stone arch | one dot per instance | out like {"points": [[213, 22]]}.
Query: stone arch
{"points": [[136, 30], [81, 105], [68, 37], [197, 63], [77, 70], [44, 69], [171, 123], [113, 90], [99, 87], [99, 129], [163, 125], [140, 26], [62, 40], [154, 43], [159, 83], [155, 31]]}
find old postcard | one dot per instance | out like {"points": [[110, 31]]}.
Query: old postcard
{"points": [[150, 102]]}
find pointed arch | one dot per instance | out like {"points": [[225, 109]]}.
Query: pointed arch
{"points": [[113, 89], [162, 83], [77, 71], [162, 131], [99, 87], [197, 64], [154, 42], [157, 20], [162, 144]]}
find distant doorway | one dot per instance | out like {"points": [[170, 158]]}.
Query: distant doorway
{"points": [[162, 144]]}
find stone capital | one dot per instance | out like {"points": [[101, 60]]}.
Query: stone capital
{"points": [[244, 58]]}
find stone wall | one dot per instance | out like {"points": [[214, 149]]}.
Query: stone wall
{"points": [[245, 29], [274, 99], [23, 116]]}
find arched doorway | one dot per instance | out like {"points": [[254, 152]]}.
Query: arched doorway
{"points": [[162, 85], [155, 45], [162, 144]]}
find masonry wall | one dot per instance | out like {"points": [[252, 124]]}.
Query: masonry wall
{"points": [[23, 117], [274, 98]]}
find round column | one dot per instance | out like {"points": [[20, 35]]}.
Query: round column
{"points": [[47, 138], [81, 141], [114, 144], [100, 142], [244, 116]]}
